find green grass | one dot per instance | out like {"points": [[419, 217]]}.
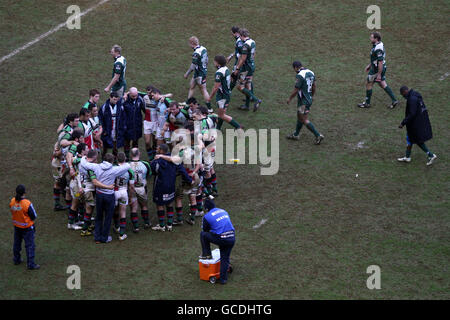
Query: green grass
{"points": [[325, 225]]}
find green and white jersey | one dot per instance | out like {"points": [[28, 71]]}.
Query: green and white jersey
{"points": [[141, 172], [377, 54], [304, 82], [64, 134], [120, 66], [223, 76], [206, 126], [122, 182], [200, 60], [249, 48], [237, 49], [86, 178]]}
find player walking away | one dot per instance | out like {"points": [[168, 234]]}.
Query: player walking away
{"points": [[237, 52], [138, 196], [200, 67], [377, 71], [118, 83], [122, 184], [245, 69], [94, 96], [222, 80], [305, 87], [417, 123]]}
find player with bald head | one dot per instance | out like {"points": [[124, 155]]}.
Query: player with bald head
{"points": [[134, 107]]}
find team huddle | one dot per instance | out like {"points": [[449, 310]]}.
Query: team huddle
{"points": [[179, 141]]}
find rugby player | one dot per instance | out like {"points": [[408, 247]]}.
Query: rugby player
{"points": [[305, 87], [122, 183], [138, 196], [118, 83], [222, 80], [377, 70], [237, 52], [245, 70], [200, 67]]}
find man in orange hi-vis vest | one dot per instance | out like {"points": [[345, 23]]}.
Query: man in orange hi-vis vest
{"points": [[23, 216]]}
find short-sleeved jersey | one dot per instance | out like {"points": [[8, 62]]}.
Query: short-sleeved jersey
{"points": [[86, 177], [64, 134], [223, 76], [377, 54], [142, 171], [125, 179], [200, 60], [191, 156], [120, 66], [249, 48], [150, 108], [304, 82], [237, 49], [178, 120]]}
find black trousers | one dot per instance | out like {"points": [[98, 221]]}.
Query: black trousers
{"points": [[225, 246]]}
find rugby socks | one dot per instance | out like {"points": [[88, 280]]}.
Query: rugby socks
{"points": [[214, 182], [232, 84], [311, 128], [249, 94], [87, 220], [68, 202], [298, 127], [116, 219], [200, 203], [390, 93], [208, 185], [193, 211], [169, 215], [123, 225], [219, 123], [235, 124], [179, 211], [247, 101], [144, 214], [208, 105], [134, 219], [161, 215], [72, 215], [425, 149], [368, 96], [56, 196]]}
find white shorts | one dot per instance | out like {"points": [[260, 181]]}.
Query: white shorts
{"points": [[121, 196], [150, 127], [141, 195]]}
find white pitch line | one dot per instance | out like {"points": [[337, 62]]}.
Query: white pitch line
{"points": [[42, 36], [444, 76], [260, 224]]}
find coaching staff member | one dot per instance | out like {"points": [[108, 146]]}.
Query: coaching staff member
{"points": [[218, 229], [104, 198]]}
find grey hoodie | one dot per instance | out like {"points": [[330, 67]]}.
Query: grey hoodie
{"points": [[106, 173]]}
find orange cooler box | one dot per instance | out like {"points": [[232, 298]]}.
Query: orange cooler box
{"points": [[210, 268]]}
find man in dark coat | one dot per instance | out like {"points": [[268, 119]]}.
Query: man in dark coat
{"points": [[417, 123], [134, 106], [165, 173], [113, 120]]}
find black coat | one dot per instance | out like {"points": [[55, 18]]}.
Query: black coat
{"points": [[133, 110], [416, 119]]}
